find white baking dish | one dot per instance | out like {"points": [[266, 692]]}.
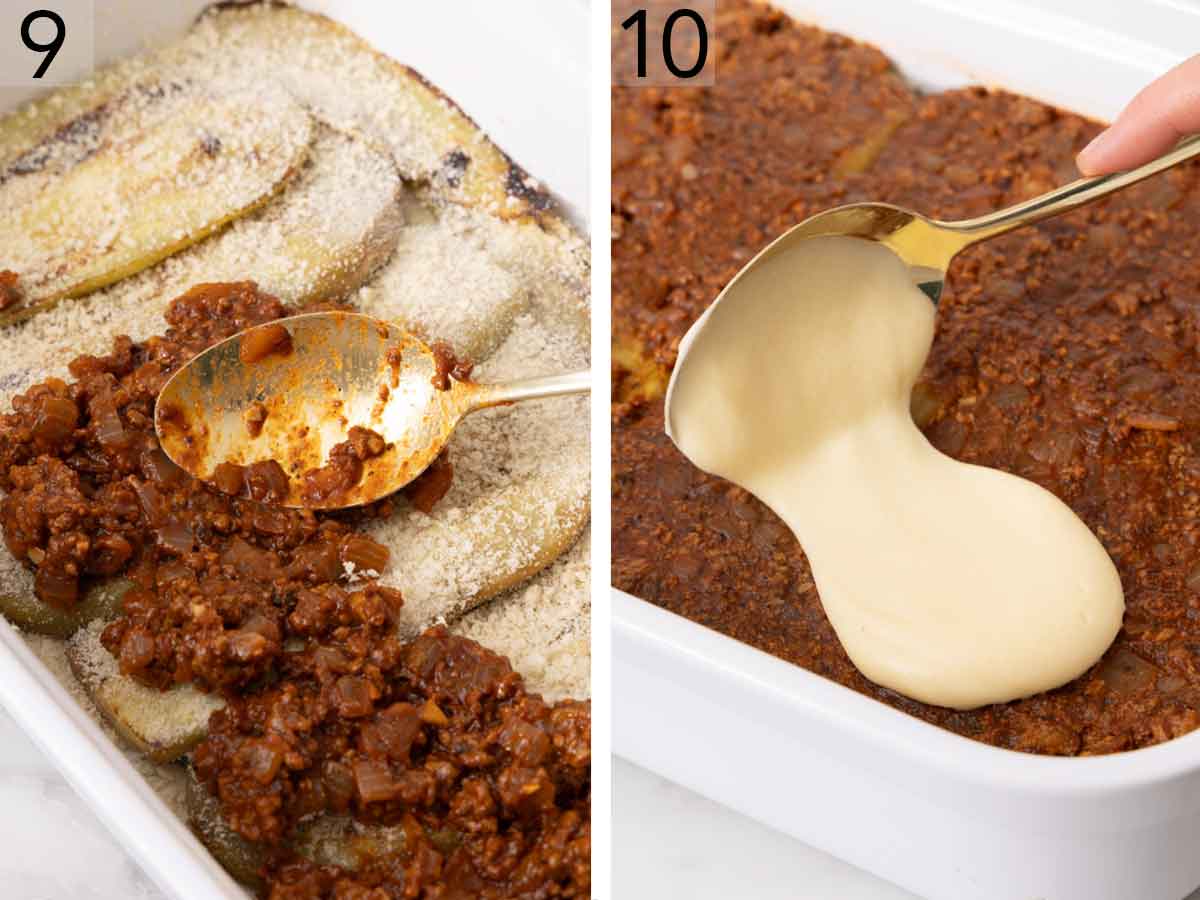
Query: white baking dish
{"points": [[941, 815], [534, 104]]}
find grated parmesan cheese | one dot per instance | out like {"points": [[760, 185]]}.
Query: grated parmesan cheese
{"points": [[556, 607]]}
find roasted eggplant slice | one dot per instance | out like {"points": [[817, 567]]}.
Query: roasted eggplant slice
{"points": [[163, 725], [137, 200], [100, 601], [431, 139], [327, 840]]}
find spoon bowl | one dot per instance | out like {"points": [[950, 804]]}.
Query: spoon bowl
{"points": [[291, 390], [928, 245]]}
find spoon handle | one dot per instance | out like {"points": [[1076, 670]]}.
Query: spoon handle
{"points": [[1068, 197], [531, 389]]}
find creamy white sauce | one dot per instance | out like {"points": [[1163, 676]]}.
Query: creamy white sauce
{"points": [[950, 583]]}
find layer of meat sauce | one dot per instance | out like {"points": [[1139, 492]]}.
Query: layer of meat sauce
{"points": [[1066, 353], [328, 712]]}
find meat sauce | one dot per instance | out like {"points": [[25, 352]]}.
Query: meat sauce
{"points": [[255, 417], [269, 340], [327, 710], [1065, 353], [489, 783], [345, 467], [446, 366], [432, 485]]}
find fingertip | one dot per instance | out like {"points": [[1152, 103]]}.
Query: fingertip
{"points": [[1091, 159], [1164, 111], [1083, 164]]}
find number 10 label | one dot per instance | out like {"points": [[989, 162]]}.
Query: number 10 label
{"points": [[663, 42], [46, 42]]}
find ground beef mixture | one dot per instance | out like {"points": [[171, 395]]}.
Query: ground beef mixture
{"points": [[1066, 353], [447, 366], [345, 467], [259, 343], [491, 784], [435, 481], [326, 710]]}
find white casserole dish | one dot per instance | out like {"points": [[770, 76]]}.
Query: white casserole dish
{"points": [[941, 815], [534, 104]]}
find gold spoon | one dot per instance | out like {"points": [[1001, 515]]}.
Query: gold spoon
{"points": [[292, 395], [928, 245]]}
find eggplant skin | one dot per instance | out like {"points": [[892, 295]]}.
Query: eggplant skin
{"points": [[100, 601], [327, 840], [237, 856]]}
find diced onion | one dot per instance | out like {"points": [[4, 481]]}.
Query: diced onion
{"points": [[157, 466], [365, 554], [432, 714], [150, 500], [398, 727], [266, 481], [176, 536], [260, 624], [339, 786], [57, 590], [270, 520], [110, 430], [250, 561], [318, 561], [56, 420], [374, 782], [329, 659], [246, 645], [353, 697], [229, 478], [261, 761], [137, 650]]}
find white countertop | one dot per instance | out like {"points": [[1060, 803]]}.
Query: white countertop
{"points": [[672, 844], [53, 847]]}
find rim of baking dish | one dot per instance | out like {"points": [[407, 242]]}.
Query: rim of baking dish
{"points": [[904, 738], [94, 766]]}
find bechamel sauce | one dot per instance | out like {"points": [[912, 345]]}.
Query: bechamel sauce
{"points": [[953, 584]]}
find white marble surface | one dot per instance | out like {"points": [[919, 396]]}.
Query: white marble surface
{"points": [[51, 845], [672, 844]]}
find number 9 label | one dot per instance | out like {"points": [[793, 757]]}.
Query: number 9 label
{"points": [[45, 42], [663, 42]]}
